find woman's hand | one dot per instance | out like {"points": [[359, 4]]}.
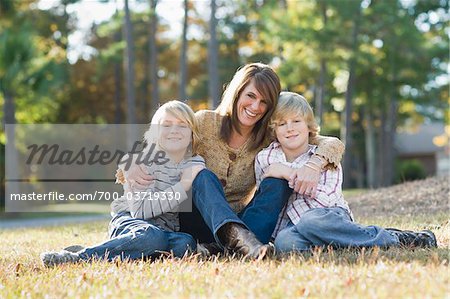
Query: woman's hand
{"points": [[278, 170], [188, 176], [136, 177], [305, 180]]}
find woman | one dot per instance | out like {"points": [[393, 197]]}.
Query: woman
{"points": [[230, 137]]}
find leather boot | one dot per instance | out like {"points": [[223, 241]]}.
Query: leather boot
{"points": [[239, 239]]}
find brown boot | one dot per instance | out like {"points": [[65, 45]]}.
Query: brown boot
{"points": [[239, 239]]}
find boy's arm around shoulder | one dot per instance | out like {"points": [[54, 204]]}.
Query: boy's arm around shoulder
{"points": [[266, 165]]}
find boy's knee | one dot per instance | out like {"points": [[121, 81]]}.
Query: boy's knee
{"points": [[189, 242], [184, 243], [315, 219], [151, 237], [284, 241]]}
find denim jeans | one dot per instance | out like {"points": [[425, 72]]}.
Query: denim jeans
{"points": [[330, 226], [260, 216], [132, 238]]}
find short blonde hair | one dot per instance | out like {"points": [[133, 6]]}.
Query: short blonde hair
{"points": [[293, 104], [181, 111]]}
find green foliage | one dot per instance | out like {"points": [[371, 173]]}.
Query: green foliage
{"points": [[409, 170], [401, 58]]}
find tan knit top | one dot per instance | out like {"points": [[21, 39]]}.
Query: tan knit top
{"points": [[235, 167]]}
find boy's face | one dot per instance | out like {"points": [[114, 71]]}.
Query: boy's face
{"points": [[292, 132], [174, 134]]}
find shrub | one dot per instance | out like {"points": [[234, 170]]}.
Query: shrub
{"points": [[410, 170]]}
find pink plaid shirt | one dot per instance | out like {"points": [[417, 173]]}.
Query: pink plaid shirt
{"points": [[329, 190]]}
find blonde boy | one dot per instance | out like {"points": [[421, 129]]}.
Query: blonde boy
{"points": [[321, 217]]}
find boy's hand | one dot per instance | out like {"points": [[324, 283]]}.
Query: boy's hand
{"points": [[304, 181], [278, 170]]}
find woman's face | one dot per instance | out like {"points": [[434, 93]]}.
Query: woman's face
{"points": [[251, 107], [174, 134]]}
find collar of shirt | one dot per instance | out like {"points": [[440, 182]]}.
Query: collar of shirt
{"points": [[300, 160]]}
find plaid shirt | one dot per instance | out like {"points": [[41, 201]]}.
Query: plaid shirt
{"points": [[329, 189]]}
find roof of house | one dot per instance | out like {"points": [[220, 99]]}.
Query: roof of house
{"points": [[420, 141]]}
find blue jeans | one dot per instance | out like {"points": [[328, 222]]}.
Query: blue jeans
{"points": [[260, 216], [330, 226], [132, 238]]}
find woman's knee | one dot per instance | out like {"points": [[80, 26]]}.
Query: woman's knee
{"points": [[204, 176], [274, 184]]}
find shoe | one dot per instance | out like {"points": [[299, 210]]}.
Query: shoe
{"points": [[74, 248], [54, 258], [239, 239], [208, 249], [407, 238]]}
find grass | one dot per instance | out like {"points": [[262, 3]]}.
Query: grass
{"points": [[370, 273], [59, 210]]}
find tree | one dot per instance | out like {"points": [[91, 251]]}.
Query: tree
{"points": [[129, 65], [213, 57], [183, 54], [346, 135], [30, 78], [153, 56]]}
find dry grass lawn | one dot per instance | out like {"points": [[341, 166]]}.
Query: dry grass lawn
{"points": [[371, 273]]}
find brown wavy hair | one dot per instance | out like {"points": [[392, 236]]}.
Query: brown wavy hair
{"points": [[268, 85]]}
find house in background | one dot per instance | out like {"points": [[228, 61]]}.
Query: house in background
{"points": [[428, 144]]}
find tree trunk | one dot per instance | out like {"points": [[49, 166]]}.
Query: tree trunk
{"points": [[381, 146], [183, 59], [9, 109], [153, 57], [391, 121], [132, 132], [11, 160], [117, 82], [213, 57], [129, 63], [320, 95], [370, 145], [348, 102]]}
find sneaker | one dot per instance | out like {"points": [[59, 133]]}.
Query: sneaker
{"points": [[407, 238], [54, 258], [74, 248]]}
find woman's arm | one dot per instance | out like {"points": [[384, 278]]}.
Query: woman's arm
{"points": [[133, 173], [147, 205], [329, 151]]}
